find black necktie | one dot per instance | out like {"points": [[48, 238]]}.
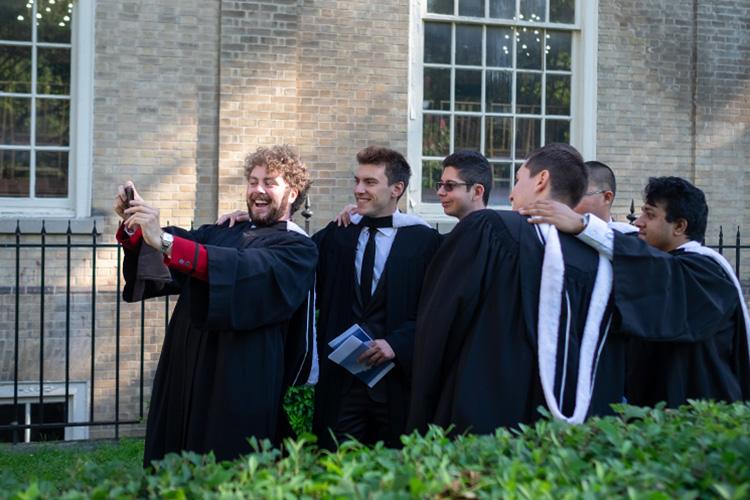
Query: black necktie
{"points": [[368, 260]]}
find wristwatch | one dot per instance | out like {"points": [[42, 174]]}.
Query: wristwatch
{"points": [[166, 241]]}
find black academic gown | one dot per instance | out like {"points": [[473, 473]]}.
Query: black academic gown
{"points": [[222, 371], [475, 362], [412, 250], [689, 339]]}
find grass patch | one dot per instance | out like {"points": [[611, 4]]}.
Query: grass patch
{"points": [[61, 463]]}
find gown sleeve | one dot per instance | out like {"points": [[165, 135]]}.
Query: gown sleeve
{"points": [[669, 297], [257, 286], [146, 275]]}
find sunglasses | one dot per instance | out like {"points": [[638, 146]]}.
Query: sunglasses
{"points": [[450, 186]]}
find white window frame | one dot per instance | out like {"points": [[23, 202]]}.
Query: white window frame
{"points": [[583, 89], [78, 202], [54, 392]]}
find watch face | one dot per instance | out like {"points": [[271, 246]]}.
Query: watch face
{"points": [[168, 238]]}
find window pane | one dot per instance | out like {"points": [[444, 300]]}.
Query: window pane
{"points": [[51, 174], [14, 172], [8, 416], [499, 47], [498, 136], [437, 43], [558, 95], [468, 132], [53, 413], [436, 135], [500, 184], [529, 93], [533, 10], [528, 138], [437, 89], [15, 69], [440, 6], [529, 49], [473, 8], [562, 11], [468, 90], [504, 9], [431, 172], [53, 75], [52, 122], [15, 121], [16, 20], [557, 131], [558, 50], [499, 92], [469, 45], [54, 21]]}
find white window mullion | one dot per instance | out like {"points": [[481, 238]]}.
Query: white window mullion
{"points": [[32, 136], [453, 84]]}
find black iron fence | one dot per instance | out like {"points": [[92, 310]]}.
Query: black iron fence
{"points": [[36, 402]]}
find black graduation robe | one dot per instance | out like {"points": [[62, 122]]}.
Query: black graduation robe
{"points": [[475, 362], [222, 370], [689, 339], [412, 250]]}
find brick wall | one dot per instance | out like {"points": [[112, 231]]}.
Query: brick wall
{"points": [[667, 69], [326, 76]]}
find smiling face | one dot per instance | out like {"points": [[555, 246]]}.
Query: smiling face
{"points": [[375, 198], [268, 196], [461, 199]]}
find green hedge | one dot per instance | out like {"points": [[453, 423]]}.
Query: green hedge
{"points": [[702, 450]]}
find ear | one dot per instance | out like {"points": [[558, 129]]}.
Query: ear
{"points": [[293, 195], [478, 191], [397, 189], [609, 197], [679, 227], [542, 181]]}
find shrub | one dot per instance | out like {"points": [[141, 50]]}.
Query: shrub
{"points": [[701, 450]]}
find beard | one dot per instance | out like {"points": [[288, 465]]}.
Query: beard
{"points": [[273, 212]]}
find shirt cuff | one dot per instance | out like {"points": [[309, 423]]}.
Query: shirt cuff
{"points": [[598, 235], [188, 257], [127, 240]]}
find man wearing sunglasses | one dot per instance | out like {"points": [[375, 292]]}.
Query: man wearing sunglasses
{"points": [[465, 183]]}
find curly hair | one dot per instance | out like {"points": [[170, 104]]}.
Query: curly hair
{"points": [[284, 160]]}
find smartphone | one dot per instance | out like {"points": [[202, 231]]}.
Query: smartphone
{"points": [[129, 194]]}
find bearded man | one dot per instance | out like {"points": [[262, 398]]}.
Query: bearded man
{"points": [[241, 331]]}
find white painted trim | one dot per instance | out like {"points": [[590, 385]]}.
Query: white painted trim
{"points": [[584, 95], [588, 63], [414, 121], [83, 107], [78, 202], [54, 392]]}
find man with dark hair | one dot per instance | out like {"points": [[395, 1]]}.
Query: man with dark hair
{"points": [[511, 315], [370, 273], [556, 167], [600, 195], [465, 183], [241, 331], [668, 289]]}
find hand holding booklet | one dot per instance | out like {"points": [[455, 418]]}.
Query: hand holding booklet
{"points": [[349, 346]]}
